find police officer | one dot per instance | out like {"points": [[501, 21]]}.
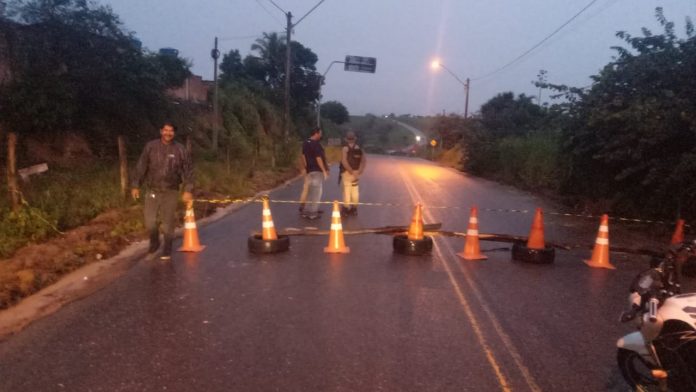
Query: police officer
{"points": [[163, 167], [353, 162]]}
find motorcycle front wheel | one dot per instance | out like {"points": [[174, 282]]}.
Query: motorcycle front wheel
{"points": [[635, 370]]}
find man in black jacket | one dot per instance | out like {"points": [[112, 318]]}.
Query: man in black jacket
{"points": [[317, 171], [163, 166]]}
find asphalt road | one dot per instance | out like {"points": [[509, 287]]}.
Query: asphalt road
{"points": [[371, 320]]}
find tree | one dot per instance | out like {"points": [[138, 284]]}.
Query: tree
{"points": [[449, 129], [505, 115], [173, 69], [335, 111], [632, 136], [232, 68], [75, 69], [267, 69]]}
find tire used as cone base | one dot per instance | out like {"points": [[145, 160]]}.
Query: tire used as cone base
{"points": [[405, 246], [258, 245], [520, 252]]}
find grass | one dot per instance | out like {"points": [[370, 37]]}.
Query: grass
{"points": [[38, 246], [62, 199], [58, 200]]}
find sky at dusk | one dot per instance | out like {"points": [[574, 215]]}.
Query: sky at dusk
{"points": [[473, 39]]}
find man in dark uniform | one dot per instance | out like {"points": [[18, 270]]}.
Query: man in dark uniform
{"points": [[317, 172], [352, 166], [163, 166]]}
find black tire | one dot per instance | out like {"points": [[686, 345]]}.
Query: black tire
{"points": [[635, 370], [520, 252], [404, 246], [260, 246]]}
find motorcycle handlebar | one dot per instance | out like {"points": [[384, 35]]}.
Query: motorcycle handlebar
{"points": [[652, 309]]}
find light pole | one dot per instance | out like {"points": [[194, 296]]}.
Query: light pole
{"points": [[437, 64], [321, 81], [352, 63]]}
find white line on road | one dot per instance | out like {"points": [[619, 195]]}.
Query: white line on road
{"points": [[504, 337]]}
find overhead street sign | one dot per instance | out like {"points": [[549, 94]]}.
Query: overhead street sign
{"points": [[360, 64]]}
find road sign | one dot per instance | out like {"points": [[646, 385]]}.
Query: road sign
{"points": [[360, 64], [433, 142]]}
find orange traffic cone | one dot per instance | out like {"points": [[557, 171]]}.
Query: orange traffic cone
{"points": [[268, 231], [536, 234], [472, 251], [336, 243], [191, 243], [600, 254], [678, 236], [415, 230]]}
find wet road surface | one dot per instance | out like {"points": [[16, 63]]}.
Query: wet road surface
{"points": [[371, 320]]}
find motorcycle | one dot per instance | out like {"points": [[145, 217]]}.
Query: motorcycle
{"points": [[661, 355]]}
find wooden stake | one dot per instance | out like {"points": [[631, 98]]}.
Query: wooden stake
{"points": [[12, 184], [123, 164]]}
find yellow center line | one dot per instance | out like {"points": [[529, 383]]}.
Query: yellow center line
{"points": [[504, 337], [463, 301]]}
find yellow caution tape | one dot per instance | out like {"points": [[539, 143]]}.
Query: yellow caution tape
{"points": [[502, 210]]}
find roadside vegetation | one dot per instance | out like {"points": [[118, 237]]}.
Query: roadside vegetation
{"points": [[72, 81], [626, 144]]}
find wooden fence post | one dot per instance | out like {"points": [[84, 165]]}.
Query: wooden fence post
{"points": [[12, 184], [123, 164]]}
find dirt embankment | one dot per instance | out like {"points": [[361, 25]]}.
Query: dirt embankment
{"points": [[37, 266]]}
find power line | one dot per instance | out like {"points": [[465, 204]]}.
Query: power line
{"points": [[518, 58], [269, 12], [238, 37], [309, 12], [277, 6]]}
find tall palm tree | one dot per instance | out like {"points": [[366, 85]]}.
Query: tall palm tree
{"points": [[271, 57]]}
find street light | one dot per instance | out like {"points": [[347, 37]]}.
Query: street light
{"points": [[437, 64], [352, 63]]}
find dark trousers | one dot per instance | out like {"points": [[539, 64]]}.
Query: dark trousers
{"points": [[164, 203]]}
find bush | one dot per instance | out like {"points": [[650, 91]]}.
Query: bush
{"points": [[533, 161]]}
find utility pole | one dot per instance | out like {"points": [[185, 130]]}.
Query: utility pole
{"points": [[466, 101], [286, 115], [215, 54], [288, 40], [437, 64]]}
